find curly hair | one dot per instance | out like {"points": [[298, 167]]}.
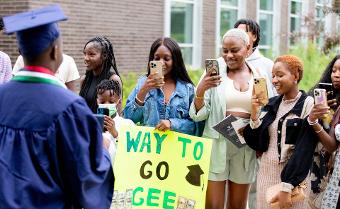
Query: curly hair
{"points": [[112, 85], [293, 63]]}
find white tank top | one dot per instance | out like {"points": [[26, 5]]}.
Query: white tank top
{"points": [[238, 101]]}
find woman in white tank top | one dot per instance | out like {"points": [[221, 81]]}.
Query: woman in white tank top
{"points": [[217, 96]]}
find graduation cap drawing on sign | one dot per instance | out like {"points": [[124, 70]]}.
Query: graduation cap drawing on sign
{"points": [[194, 175]]}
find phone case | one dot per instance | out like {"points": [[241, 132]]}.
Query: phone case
{"points": [[260, 88], [320, 96], [329, 90], [211, 65], [103, 111], [156, 66]]}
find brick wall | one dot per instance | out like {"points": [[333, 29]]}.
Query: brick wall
{"points": [[8, 43], [131, 25], [208, 29]]}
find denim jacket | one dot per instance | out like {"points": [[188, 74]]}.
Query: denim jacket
{"points": [[154, 109]]}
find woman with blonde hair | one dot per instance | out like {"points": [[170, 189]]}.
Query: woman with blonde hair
{"points": [[218, 96]]}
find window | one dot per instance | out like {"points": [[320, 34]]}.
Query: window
{"points": [[320, 22], [181, 24], [266, 15], [226, 18], [295, 21]]}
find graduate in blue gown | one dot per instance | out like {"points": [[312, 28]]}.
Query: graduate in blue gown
{"points": [[51, 146]]}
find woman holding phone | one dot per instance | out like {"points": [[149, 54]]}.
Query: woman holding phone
{"points": [[280, 130], [162, 99], [321, 163], [218, 96]]}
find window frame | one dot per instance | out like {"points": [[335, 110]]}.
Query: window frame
{"points": [[295, 16], [196, 44], [219, 7], [266, 12]]}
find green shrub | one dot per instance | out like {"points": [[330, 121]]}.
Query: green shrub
{"points": [[314, 62], [129, 83]]}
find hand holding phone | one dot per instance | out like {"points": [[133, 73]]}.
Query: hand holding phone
{"points": [[110, 126], [261, 91], [156, 67], [320, 98], [156, 77], [107, 109]]}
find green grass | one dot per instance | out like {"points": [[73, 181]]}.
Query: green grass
{"points": [[313, 59]]}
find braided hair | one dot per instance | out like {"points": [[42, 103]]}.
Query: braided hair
{"points": [[252, 27], [109, 68], [111, 85]]}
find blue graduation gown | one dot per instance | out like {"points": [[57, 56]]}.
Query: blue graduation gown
{"points": [[51, 151]]}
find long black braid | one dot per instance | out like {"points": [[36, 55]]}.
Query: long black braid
{"points": [[109, 68]]}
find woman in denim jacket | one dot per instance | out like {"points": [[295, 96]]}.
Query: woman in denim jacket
{"points": [[163, 102]]}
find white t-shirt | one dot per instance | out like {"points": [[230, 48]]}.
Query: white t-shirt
{"points": [[66, 72], [119, 122]]}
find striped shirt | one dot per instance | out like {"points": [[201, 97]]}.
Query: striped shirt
{"points": [[5, 68]]}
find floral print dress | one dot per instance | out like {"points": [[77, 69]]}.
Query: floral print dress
{"points": [[330, 198]]}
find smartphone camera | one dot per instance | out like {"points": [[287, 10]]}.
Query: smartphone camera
{"points": [[256, 81], [153, 65], [103, 111], [317, 93]]}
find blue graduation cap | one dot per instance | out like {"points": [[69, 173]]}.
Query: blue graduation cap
{"points": [[36, 29]]}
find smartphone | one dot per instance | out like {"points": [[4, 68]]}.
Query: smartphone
{"points": [[100, 119], [329, 90], [261, 90], [112, 110], [156, 66], [320, 96], [211, 66], [103, 111]]}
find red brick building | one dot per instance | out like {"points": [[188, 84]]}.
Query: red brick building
{"points": [[132, 25]]}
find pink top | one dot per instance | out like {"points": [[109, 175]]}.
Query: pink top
{"points": [[5, 68]]}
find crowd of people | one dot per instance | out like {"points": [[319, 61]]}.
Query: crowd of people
{"points": [[53, 153]]}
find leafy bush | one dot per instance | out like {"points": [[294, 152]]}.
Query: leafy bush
{"points": [[314, 62]]}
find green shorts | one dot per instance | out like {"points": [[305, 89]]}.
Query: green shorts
{"points": [[238, 169]]}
